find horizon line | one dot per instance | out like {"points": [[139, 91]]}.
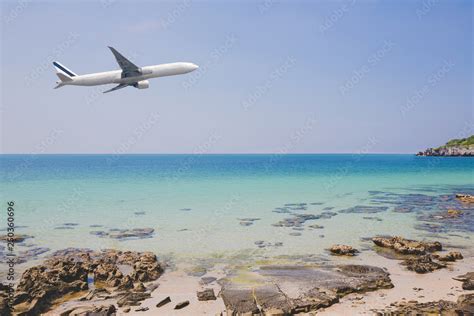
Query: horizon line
{"points": [[209, 154]]}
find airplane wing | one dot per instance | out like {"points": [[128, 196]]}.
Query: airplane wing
{"points": [[129, 69], [120, 86]]}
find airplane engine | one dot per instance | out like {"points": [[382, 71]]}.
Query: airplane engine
{"points": [[144, 84]]}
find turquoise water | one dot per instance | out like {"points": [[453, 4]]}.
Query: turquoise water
{"points": [[107, 190]]}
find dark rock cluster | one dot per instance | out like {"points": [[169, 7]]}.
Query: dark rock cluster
{"points": [[67, 273], [407, 246], [343, 250], [418, 255]]}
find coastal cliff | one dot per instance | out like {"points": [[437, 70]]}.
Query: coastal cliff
{"points": [[455, 147]]}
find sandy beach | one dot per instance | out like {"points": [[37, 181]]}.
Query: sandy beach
{"points": [[181, 283]]}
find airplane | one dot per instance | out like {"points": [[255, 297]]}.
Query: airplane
{"points": [[130, 75]]}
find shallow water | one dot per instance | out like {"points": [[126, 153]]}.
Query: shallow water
{"points": [[196, 203]]}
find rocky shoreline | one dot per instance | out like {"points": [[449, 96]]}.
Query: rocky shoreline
{"points": [[454, 148], [448, 152], [107, 282]]}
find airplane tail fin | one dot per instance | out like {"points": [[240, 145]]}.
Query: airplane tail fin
{"points": [[63, 73]]}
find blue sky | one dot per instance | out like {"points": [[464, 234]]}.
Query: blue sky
{"points": [[275, 76]]}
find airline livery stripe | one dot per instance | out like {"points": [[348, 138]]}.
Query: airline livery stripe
{"points": [[64, 69]]}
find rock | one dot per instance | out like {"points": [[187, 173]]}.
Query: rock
{"points": [[463, 306], [4, 300], [422, 264], [142, 309], [97, 293], [343, 250], [206, 295], [465, 198], [126, 309], [467, 280], [126, 283], [407, 246], [164, 302], [139, 287], [316, 226], [153, 286], [181, 305], [207, 280], [105, 310], [274, 312], [316, 287], [451, 256], [147, 268], [66, 272], [132, 299]]}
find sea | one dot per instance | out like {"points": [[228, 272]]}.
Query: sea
{"points": [[223, 206]]}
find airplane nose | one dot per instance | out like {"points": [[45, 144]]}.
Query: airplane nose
{"points": [[194, 67]]}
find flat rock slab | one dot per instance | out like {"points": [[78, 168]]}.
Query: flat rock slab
{"points": [[295, 289]]}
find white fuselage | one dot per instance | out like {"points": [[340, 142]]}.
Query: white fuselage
{"points": [[147, 72]]}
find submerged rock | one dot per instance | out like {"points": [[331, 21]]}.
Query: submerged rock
{"points": [[17, 238], [407, 246], [365, 209], [246, 223], [122, 234], [343, 250], [30, 254], [296, 221], [132, 233]]}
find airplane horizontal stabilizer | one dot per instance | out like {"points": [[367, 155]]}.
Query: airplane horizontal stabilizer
{"points": [[120, 86]]}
